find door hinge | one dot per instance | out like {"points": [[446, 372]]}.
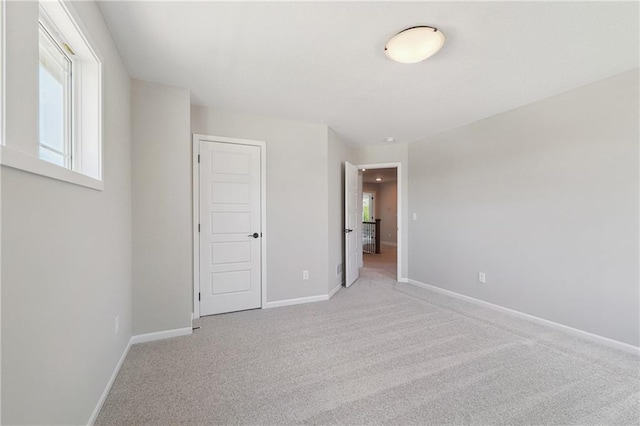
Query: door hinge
{"points": [[198, 227], [198, 296], [198, 158]]}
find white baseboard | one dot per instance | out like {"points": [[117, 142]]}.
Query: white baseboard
{"points": [[388, 243], [334, 291], [159, 335], [134, 339], [403, 280], [107, 388], [574, 331], [297, 301]]}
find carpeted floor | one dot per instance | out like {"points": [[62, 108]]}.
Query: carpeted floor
{"points": [[384, 263], [377, 353]]}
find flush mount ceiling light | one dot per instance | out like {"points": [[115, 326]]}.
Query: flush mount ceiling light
{"points": [[378, 179], [414, 44]]}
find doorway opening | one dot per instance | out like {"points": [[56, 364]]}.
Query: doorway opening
{"points": [[380, 226]]}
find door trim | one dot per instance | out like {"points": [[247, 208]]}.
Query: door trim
{"points": [[399, 241], [195, 195]]}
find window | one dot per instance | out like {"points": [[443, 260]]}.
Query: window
{"points": [[367, 207], [65, 131], [70, 93], [55, 97]]}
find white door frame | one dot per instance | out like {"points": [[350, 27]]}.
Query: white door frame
{"points": [[398, 167], [195, 192]]}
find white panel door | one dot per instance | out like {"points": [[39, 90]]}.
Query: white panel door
{"points": [[351, 221], [230, 249], [359, 232]]}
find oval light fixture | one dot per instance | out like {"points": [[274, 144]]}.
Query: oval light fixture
{"points": [[414, 44], [378, 179]]}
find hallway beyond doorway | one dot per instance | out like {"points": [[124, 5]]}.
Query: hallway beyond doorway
{"points": [[385, 262]]}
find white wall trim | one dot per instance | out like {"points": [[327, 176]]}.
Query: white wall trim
{"points": [[399, 185], [2, 141], [403, 280], [195, 191], [195, 196], [28, 163], [334, 291], [107, 388], [573, 331], [296, 301], [3, 73], [160, 335], [140, 338]]}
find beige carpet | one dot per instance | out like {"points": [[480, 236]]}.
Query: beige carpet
{"points": [[377, 353], [384, 263]]}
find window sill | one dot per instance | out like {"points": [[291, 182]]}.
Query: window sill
{"points": [[25, 162]]}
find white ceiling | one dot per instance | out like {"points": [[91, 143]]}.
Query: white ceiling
{"points": [[324, 62], [387, 175]]}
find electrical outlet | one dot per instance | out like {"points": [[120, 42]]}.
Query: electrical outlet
{"points": [[415, 216], [305, 275], [482, 277], [117, 324]]}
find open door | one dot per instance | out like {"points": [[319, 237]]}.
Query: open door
{"points": [[351, 221]]}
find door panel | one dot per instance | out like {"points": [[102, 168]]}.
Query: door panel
{"points": [[230, 257], [231, 163], [351, 222], [231, 222], [359, 234], [230, 252], [230, 193], [231, 282]]}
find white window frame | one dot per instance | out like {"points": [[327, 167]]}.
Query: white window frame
{"points": [[86, 148], [372, 206], [59, 43]]}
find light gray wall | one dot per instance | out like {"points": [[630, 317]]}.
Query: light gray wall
{"points": [[297, 194], [0, 295], [21, 68], [66, 264], [339, 151], [544, 200], [391, 153], [162, 241], [387, 207]]}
